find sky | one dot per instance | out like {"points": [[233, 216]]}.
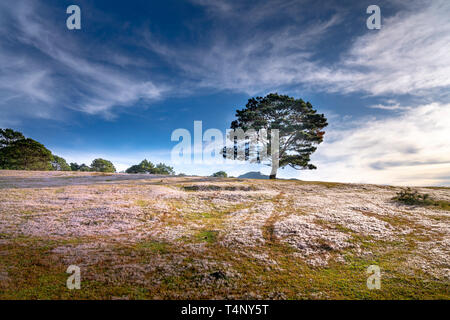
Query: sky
{"points": [[138, 70]]}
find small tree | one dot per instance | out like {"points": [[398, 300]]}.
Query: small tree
{"points": [[161, 168], [60, 164], [147, 167], [144, 167], [84, 168], [74, 166], [102, 165], [299, 126], [220, 174]]}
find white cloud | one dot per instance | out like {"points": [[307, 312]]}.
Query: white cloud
{"points": [[44, 67], [224, 67], [412, 147], [409, 55], [391, 107]]}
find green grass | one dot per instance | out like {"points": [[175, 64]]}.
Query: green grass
{"points": [[209, 236], [181, 269], [36, 273], [154, 246]]}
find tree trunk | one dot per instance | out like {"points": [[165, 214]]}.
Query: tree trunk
{"points": [[273, 173], [274, 151]]}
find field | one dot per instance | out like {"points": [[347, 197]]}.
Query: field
{"points": [[160, 237]]}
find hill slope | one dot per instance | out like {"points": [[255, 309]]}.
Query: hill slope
{"points": [[144, 236]]}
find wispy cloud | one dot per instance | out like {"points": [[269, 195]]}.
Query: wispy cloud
{"points": [[390, 107], [411, 147], [44, 67], [242, 53], [409, 55]]}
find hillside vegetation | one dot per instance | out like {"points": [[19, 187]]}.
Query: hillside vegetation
{"points": [[165, 237]]}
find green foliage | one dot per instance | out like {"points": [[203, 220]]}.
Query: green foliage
{"points": [[154, 246], [102, 165], [76, 167], [60, 164], [220, 174], [412, 197], [209, 236], [299, 124], [161, 168], [25, 154], [144, 167], [20, 153], [147, 167], [85, 168], [8, 136]]}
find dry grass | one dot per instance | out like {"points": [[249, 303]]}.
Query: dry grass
{"points": [[153, 237]]}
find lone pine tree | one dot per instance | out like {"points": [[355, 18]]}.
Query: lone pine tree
{"points": [[300, 129]]}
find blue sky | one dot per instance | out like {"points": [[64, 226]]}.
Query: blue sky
{"points": [[137, 70]]}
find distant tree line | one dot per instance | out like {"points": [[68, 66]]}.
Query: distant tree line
{"points": [[147, 167], [20, 153], [98, 165]]}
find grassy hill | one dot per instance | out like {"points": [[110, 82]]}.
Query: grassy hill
{"points": [[160, 237]]}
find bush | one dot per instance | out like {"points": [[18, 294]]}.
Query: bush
{"points": [[147, 167], [163, 169], [102, 165], [220, 174], [412, 197]]}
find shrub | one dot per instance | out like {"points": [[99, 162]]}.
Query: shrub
{"points": [[102, 165], [147, 167], [412, 197], [220, 174]]}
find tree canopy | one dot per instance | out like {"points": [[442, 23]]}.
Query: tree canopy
{"points": [[144, 167], [161, 168], [77, 167], [84, 168], [74, 166], [102, 165], [220, 174], [20, 153], [148, 167], [8, 136], [25, 154], [298, 123], [60, 164]]}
